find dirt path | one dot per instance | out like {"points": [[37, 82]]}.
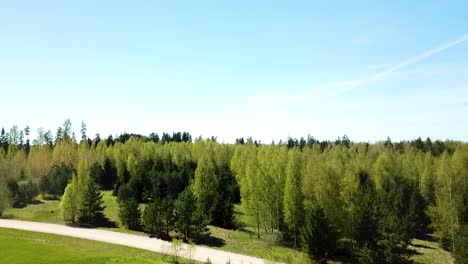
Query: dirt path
{"points": [[195, 252]]}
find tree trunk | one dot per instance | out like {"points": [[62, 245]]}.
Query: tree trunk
{"points": [[258, 222], [277, 211], [451, 214], [294, 223]]}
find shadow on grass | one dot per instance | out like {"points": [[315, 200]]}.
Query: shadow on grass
{"points": [[23, 205], [7, 216], [427, 237], [411, 252], [421, 246], [245, 230], [51, 198], [210, 241], [105, 222], [101, 221], [36, 202]]}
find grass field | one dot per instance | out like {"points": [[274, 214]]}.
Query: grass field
{"points": [[244, 242], [21, 247], [49, 211], [429, 252], [45, 211]]}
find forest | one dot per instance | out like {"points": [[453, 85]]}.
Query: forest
{"points": [[357, 201]]}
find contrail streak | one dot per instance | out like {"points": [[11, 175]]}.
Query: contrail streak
{"points": [[332, 89], [404, 63], [420, 57]]}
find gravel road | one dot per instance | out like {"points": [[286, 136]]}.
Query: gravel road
{"points": [[135, 241]]}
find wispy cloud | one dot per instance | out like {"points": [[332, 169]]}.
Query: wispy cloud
{"points": [[378, 66], [402, 64], [419, 57], [335, 88], [269, 104]]}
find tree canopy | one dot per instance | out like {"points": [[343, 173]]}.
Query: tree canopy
{"points": [[371, 198]]}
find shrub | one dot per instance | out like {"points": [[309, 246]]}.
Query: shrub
{"points": [[129, 214], [5, 200]]}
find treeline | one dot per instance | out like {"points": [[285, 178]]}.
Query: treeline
{"points": [[20, 138], [363, 200], [356, 200], [435, 148]]}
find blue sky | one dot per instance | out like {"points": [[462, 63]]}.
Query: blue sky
{"points": [[267, 69]]}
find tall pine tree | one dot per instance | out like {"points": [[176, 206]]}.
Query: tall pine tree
{"points": [[293, 198]]}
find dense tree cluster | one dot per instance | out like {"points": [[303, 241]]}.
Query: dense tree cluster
{"points": [[4, 198], [130, 214], [22, 191], [185, 186], [371, 199], [55, 181], [364, 201], [82, 199]]}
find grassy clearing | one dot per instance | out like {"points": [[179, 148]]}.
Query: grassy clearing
{"points": [[245, 241], [242, 241], [48, 211], [265, 247], [43, 211], [18, 247], [429, 252], [111, 209]]}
